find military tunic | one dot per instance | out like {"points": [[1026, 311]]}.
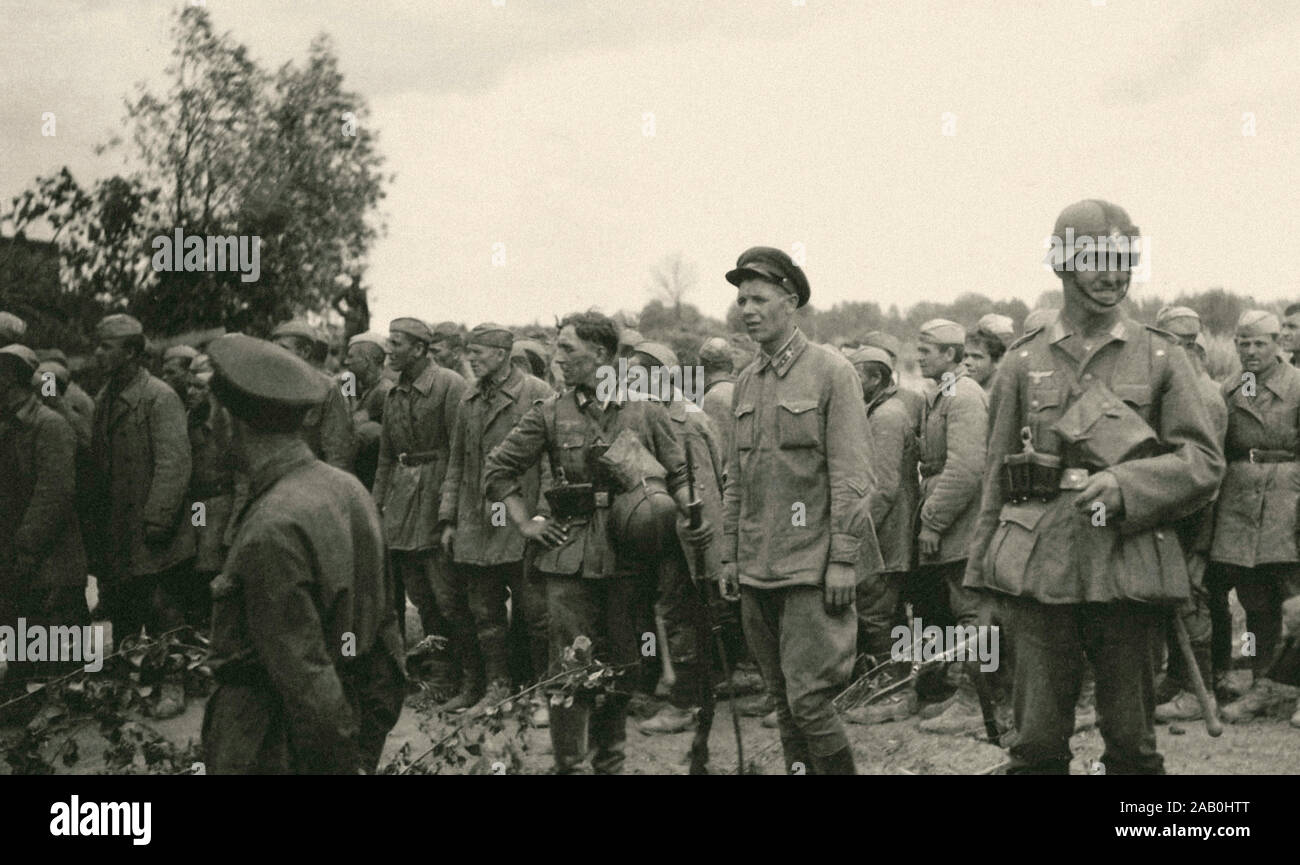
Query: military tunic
{"points": [[952, 459]]}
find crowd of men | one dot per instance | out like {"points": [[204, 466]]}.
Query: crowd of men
{"points": [[1085, 488]]}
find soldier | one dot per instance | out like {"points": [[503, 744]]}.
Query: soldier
{"points": [[893, 506], [1290, 338], [1255, 522], [607, 528], [327, 428], [54, 388], [12, 329], [951, 462], [366, 389], [42, 560], [719, 384], [1177, 697], [797, 524], [913, 398], [628, 339], [80, 405], [414, 447], [215, 481], [985, 347], [448, 349], [305, 647], [142, 456], [176, 368], [1099, 444], [485, 554], [531, 357]]}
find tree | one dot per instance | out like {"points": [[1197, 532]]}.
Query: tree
{"points": [[672, 279]]}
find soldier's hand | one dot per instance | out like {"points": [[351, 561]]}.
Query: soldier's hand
{"points": [[544, 531], [928, 541], [1102, 487], [700, 537], [841, 583], [448, 538], [729, 582]]}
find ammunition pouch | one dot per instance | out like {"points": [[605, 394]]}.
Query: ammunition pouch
{"points": [[571, 501], [1030, 475]]}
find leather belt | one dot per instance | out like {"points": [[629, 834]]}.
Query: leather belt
{"points": [[1260, 455], [418, 458]]}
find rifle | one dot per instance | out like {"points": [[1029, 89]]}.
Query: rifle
{"points": [[709, 635]]}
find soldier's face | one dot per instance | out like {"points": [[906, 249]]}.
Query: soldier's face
{"points": [[932, 360], [360, 363], [111, 354], [402, 351], [176, 372], [978, 363], [1256, 352], [869, 375], [196, 393], [486, 359], [765, 309], [578, 359], [1290, 338], [444, 354], [1097, 291]]}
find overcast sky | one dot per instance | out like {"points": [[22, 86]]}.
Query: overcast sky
{"points": [[774, 122]]}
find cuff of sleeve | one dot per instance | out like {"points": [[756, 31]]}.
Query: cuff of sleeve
{"points": [[730, 544], [845, 548], [499, 491]]}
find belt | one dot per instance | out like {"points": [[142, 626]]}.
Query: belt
{"points": [[1260, 455], [418, 458]]}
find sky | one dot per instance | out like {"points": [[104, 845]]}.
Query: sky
{"points": [[549, 153]]}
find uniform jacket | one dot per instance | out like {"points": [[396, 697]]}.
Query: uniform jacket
{"points": [[898, 490], [1050, 551], [564, 428], [799, 476], [716, 403], [1255, 521], [1196, 532], [41, 542], [327, 429], [952, 450], [419, 416], [695, 430], [482, 422], [303, 595], [215, 481], [142, 455], [915, 401]]}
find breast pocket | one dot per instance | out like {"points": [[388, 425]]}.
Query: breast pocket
{"points": [[1138, 397], [744, 430], [798, 424], [573, 459], [1044, 403]]}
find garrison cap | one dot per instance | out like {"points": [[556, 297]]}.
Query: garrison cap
{"points": [[370, 337], [56, 369], [943, 332], [629, 336], [262, 384], [188, 352], [1040, 318], [1179, 320], [118, 325], [872, 354], [661, 353], [1000, 326], [1258, 322], [529, 345], [413, 328], [21, 354], [11, 327], [774, 266], [53, 355], [880, 339], [716, 351], [447, 330], [493, 335], [299, 328]]}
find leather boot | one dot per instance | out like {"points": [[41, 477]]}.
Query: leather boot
{"points": [[609, 735], [569, 737], [797, 755], [839, 763]]}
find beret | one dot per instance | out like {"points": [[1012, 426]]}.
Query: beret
{"points": [[943, 332], [118, 325], [493, 335], [1039, 318], [297, 327], [1180, 320], [371, 337], [661, 353], [1000, 326], [263, 384], [1258, 322], [629, 336], [774, 266], [716, 350], [54, 355], [413, 328], [880, 339], [872, 354], [186, 351], [25, 355], [11, 326]]}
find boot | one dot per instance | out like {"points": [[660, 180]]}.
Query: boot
{"points": [[669, 719], [1184, 707], [770, 721], [1263, 696], [569, 728], [471, 692], [898, 706], [754, 706], [541, 716], [1226, 690], [839, 763], [962, 717], [609, 735], [797, 756]]}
